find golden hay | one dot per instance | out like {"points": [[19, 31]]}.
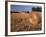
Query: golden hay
{"points": [[26, 21]]}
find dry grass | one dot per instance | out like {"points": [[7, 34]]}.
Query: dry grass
{"points": [[26, 22]]}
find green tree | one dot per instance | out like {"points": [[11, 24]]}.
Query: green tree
{"points": [[39, 9]]}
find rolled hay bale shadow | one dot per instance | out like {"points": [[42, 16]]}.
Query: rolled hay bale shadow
{"points": [[21, 22]]}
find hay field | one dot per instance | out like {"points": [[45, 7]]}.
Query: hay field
{"points": [[26, 21]]}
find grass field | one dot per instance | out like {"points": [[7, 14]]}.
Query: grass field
{"points": [[26, 21]]}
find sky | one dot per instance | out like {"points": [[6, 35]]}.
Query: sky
{"points": [[21, 8]]}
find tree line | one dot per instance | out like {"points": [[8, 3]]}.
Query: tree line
{"points": [[39, 9]]}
